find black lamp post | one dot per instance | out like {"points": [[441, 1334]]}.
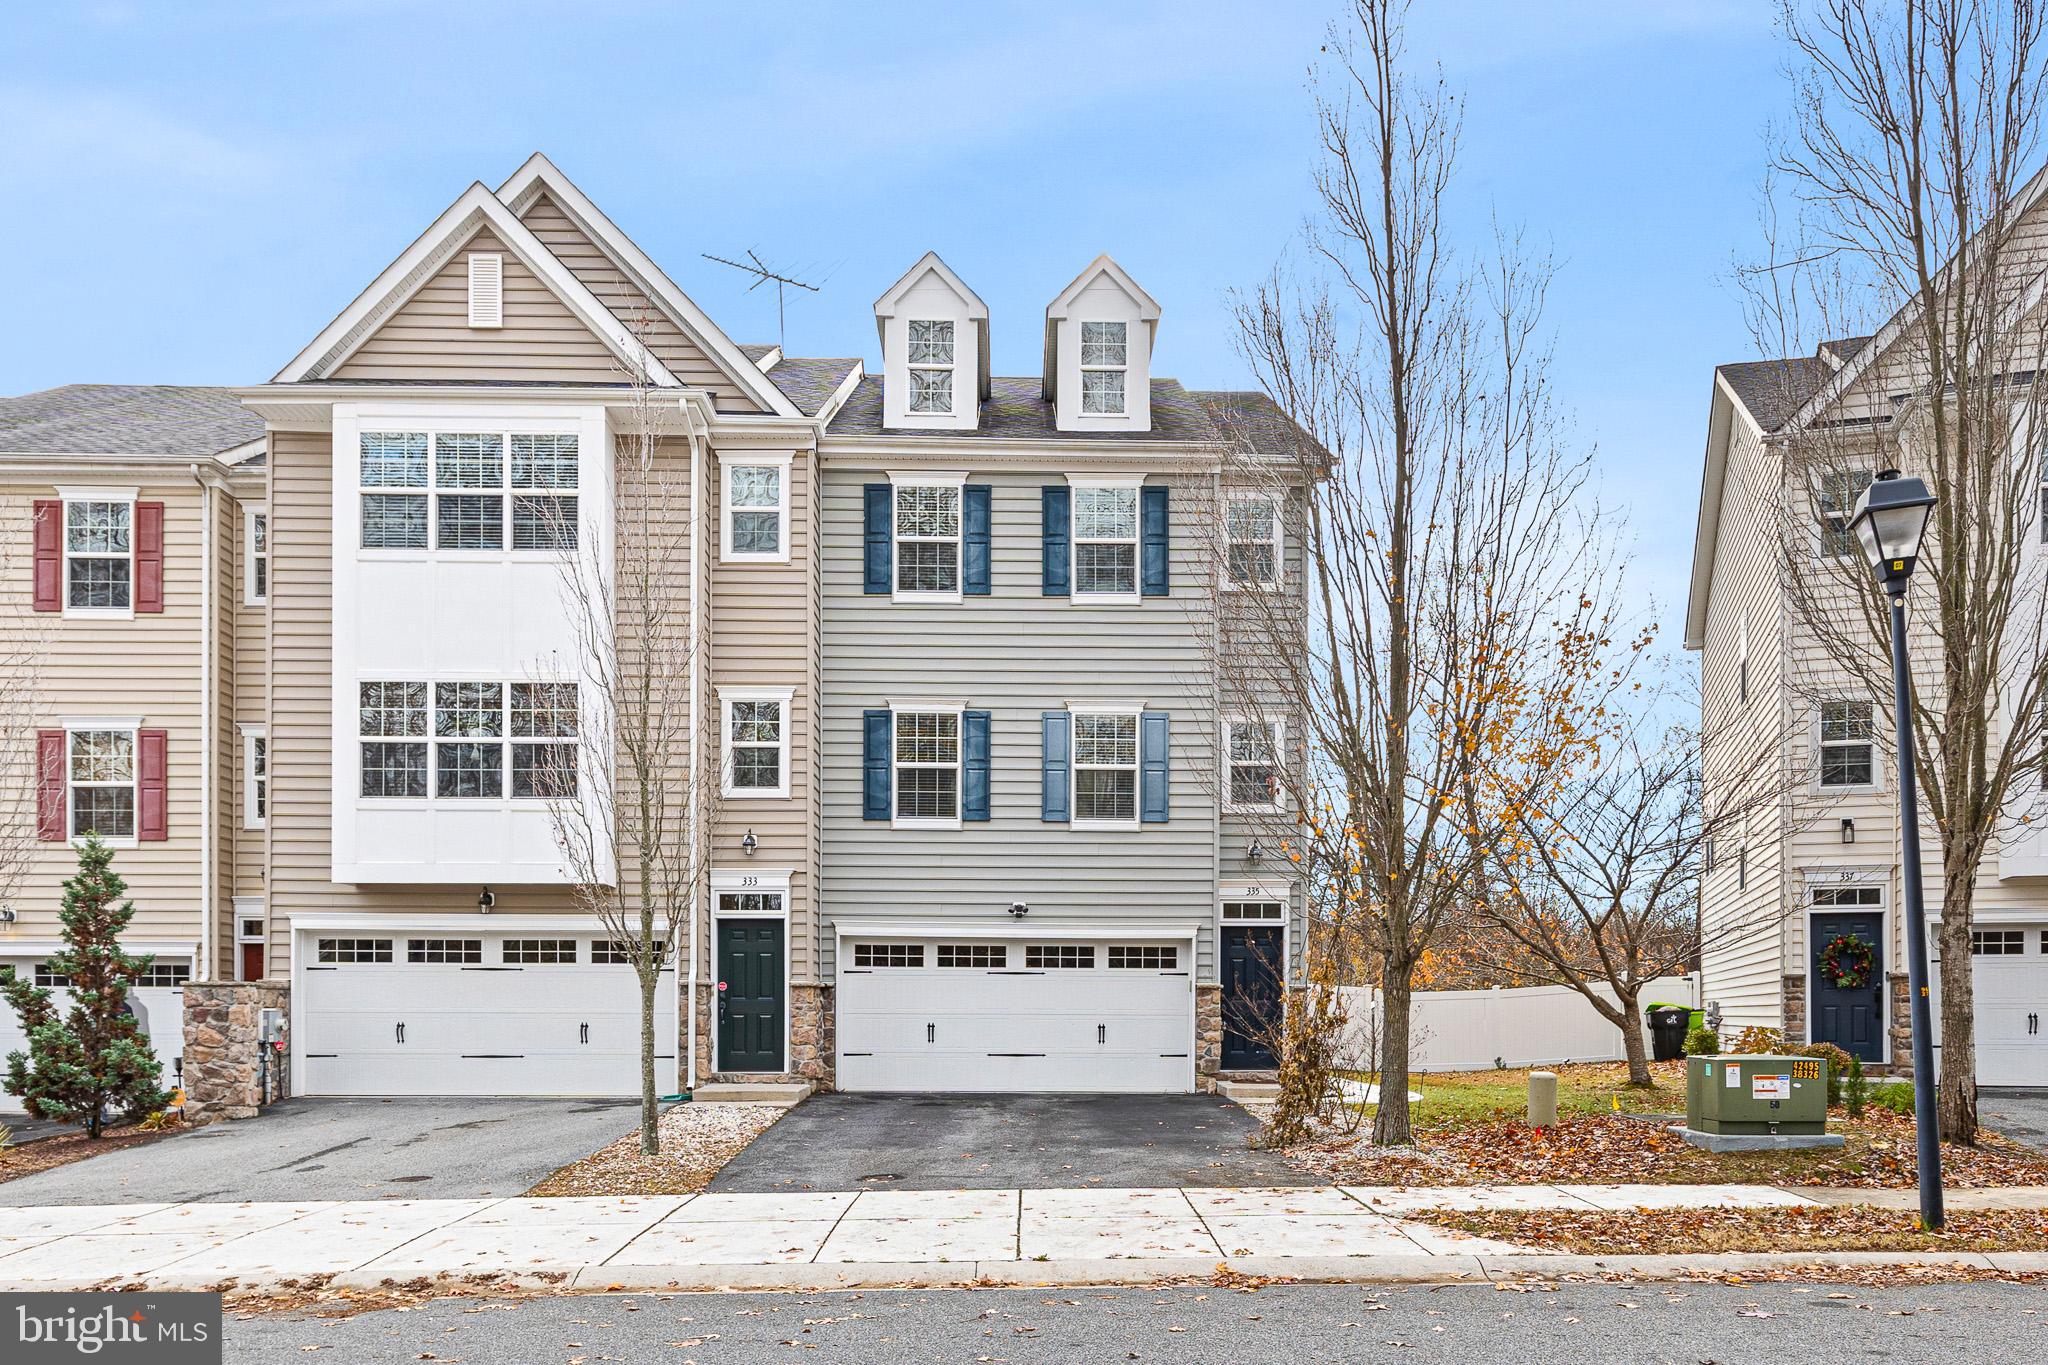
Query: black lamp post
{"points": [[1890, 519]]}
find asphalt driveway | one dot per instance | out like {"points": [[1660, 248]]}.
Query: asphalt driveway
{"points": [[345, 1149], [1000, 1142], [2021, 1115]]}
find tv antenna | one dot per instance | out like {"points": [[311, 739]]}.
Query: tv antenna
{"points": [[758, 268]]}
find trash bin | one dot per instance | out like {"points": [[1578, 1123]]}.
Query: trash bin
{"points": [[1667, 1032]]}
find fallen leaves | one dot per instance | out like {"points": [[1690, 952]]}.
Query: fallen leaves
{"points": [[1847, 1227], [696, 1141]]}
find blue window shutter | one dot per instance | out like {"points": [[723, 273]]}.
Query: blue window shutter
{"points": [[1053, 801], [1058, 516], [974, 765], [974, 545], [1157, 542], [1152, 773], [880, 502], [877, 729]]}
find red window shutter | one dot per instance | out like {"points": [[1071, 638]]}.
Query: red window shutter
{"points": [[49, 556], [50, 786], [149, 558], [153, 807]]}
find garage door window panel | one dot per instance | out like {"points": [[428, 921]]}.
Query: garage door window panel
{"points": [[1057, 956], [352, 950], [539, 951], [1144, 957], [1998, 942], [888, 955], [611, 952], [979, 955], [456, 951]]}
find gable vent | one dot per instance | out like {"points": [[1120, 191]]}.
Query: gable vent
{"points": [[486, 289]]}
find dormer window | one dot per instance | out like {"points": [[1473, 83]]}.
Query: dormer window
{"points": [[931, 366], [1105, 350]]}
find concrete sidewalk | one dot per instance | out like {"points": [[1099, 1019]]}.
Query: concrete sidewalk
{"points": [[838, 1240]]}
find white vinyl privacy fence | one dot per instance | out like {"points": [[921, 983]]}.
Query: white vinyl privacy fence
{"points": [[1524, 1026]]}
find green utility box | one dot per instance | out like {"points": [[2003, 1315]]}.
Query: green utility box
{"points": [[1756, 1095]]}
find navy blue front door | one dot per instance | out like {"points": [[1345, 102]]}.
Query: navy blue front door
{"points": [[1851, 1018], [1251, 995]]}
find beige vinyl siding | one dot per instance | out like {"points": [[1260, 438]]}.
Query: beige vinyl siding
{"points": [[602, 276], [1019, 654], [763, 632], [145, 668], [249, 684], [429, 336]]}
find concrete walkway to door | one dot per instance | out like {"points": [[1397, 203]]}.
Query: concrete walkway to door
{"points": [[998, 1142]]}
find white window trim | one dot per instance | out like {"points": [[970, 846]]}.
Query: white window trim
{"points": [[251, 908], [1085, 369], [133, 726], [1075, 710], [252, 818], [781, 461], [718, 884], [955, 479], [503, 490], [1135, 482], [726, 697], [1821, 517], [958, 710], [1876, 782], [1279, 732], [1279, 578], [504, 740], [952, 370], [250, 513], [87, 493]]}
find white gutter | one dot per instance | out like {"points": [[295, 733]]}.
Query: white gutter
{"points": [[208, 930]]}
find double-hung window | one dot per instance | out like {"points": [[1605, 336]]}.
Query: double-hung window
{"points": [[469, 732], [544, 731], [756, 742], [1835, 497], [1105, 352], [256, 534], [99, 555], [1106, 768], [255, 776], [1252, 555], [1106, 541], [452, 490], [931, 366], [757, 512], [100, 764], [1848, 750], [1253, 750], [392, 719], [927, 766], [450, 739], [927, 538]]}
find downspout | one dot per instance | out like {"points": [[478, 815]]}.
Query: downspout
{"points": [[208, 931], [692, 789]]}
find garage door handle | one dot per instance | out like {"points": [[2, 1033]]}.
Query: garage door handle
{"points": [[401, 1033], [931, 1033], [585, 1032], [1102, 1033]]}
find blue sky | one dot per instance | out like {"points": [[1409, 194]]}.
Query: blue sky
{"points": [[198, 188]]}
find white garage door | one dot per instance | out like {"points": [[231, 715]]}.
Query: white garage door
{"points": [[2012, 1005], [1018, 1015], [162, 1009], [494, 1014]]}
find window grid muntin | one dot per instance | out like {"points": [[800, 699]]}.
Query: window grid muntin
{"points": [[611, 952], [931, 358], [1252, 534], [1254, 758], [977, 955], [457, 482], [1998, 942], [100, 770], [754, 496], [1053, 956], [926, 753], [446, 951], [756, 735], [353, 949], [1848, 749], [1835, 499], [481, 730], [927, 524], [99, 554], [1150, 957], [543, 952], [165, 974], [1105, 533], [1105, 358], [1105, 762], [888, 955]]}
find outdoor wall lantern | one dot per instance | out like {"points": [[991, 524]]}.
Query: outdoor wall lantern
{"points": [[748, 843], [1254, 853], [1848, 831], [484, 901]]}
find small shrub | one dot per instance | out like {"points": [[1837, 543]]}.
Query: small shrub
{"points": [[1838, 1066], [1856, 1088], [159, 1121], [1760, 1040], [1701, 1041], [1896, 1096]]}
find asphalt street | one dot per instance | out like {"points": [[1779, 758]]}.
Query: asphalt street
{"points": [[1586, 1324]]}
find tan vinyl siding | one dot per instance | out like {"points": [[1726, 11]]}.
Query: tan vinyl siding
{"points": [[763, 630], [429, 336], [249, 693], [601, 276]]}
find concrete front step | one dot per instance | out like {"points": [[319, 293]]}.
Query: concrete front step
{"points": [[784, 1093], [1248, 1090]]}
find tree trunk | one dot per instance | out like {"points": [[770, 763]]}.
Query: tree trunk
{"points": [[1956, 1100], [1390, 1124], [649, 959], [1631, 1025]]}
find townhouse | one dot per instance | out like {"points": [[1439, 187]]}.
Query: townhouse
{"points": [[980, 809]]}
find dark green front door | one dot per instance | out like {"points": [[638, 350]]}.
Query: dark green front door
{"points": [[750, 1006]]}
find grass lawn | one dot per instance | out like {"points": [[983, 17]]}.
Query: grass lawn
{"points": [[1470, 1130]]}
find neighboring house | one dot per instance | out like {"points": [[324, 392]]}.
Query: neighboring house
{"points": [[1819, 859], [973, 827], [137, 570]]}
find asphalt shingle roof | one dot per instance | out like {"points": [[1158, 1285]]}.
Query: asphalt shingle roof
{"points": [[1017, 410], [1773, 391], [169, 420], [808, 383], [1250, 419]]}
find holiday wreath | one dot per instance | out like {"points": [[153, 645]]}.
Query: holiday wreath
{"points": [[1847, 962]]}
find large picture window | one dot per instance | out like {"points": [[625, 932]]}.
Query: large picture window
{"points": [[458, 490], [451, 739]]}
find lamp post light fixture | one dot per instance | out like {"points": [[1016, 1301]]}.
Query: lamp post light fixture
{"points": [[1890, 520]]}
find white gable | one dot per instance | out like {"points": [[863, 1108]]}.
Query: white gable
{"points": [[948, 322], [1099, 333]]}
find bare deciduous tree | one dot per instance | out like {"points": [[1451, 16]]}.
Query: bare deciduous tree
{"points": [[1908, 170], [1453, 592], [21, 663]]}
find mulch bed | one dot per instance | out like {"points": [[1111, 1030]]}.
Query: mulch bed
{"points": [[65, 1148], [1704, 1231], [696, 1140], [1614, 1148]]}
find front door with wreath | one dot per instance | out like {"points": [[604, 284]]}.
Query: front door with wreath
{"points": [[1846, 981]]}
